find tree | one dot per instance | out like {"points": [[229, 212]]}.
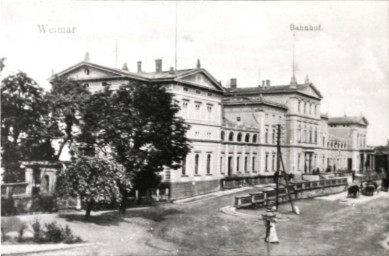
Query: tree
{"points": [[65, 101], [93, 180], [23, 124], [139, 125]]}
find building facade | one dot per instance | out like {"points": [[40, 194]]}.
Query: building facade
{"points": [[233, 131]]}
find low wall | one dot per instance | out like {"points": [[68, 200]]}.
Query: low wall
{"points": [[180, 190], [297, 190], [236, 182]]}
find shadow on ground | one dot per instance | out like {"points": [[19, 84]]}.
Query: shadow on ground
{"points": [[156, 214]]}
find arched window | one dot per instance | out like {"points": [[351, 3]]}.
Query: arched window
{"points": [[315, 109], [231, 136], [197, 158], [247, 139], [299, 133], [45, 184], [254, 138], [305, 107], [239, 137], [266, 135], [222, 135], [183, 166], [208, 164], [310, 109]]}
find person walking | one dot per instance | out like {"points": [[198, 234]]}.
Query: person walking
{"points": [[271, 233]]}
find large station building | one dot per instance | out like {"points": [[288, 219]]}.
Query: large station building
{"points": [[233, 130]]}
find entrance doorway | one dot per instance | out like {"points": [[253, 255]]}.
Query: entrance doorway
{"points": [[229, 165], [308, 162], [349, 164]]}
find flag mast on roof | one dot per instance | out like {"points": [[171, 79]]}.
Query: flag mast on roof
{"points": [[293, 82], [175, 34]]}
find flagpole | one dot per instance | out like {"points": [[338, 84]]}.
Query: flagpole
{"points": [[175, 45]]}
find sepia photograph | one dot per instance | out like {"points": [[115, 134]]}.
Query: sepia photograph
{"points": [[194, 128]]}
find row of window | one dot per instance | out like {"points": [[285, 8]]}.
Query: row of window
{"points": [[336, 144], [197, 91], [307, 107], [196, 165], [239, 137], [308, 135], [198, 107]]}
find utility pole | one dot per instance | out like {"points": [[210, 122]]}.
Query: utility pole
{"points": [[278, 161]]}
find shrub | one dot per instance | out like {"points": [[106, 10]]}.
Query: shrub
{"points": [[56, 233], [37, 228], [8, 206], [21, 232], [43, 203]]}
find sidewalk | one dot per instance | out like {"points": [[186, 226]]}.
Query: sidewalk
{"points": [[211, 195], [38, 248]]}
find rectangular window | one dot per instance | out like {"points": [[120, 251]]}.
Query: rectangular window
{"points": [[245, 164], [186, 89], [237, 163], [221, 164], [273, 162], [253, 164], [266, 162], [197, 159], [183, 167], [298, 161], [198, 91], [266, 135], [208, 164], [209, 111]]}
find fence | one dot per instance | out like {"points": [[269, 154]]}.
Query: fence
{"points": [[266, 197], [14, 189]]}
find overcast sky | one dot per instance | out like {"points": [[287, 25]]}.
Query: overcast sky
{"points": [[348, 61]]}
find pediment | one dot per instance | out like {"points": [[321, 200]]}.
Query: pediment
{"points": [[311, 91], [88, 72], [202, 79]]}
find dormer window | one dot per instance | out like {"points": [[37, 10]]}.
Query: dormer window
{"points": [[86, 71]]}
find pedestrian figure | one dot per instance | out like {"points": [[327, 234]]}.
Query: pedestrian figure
{"points": [[270, 224]]}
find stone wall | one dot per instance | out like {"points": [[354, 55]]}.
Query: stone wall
{"points": [[188, 189]]}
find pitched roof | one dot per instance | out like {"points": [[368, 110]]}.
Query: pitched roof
{"points": [[348, 120], [239, 101], [273, 89], [146, 76]]}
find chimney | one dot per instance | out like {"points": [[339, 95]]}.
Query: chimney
{"points": [[158, 65], [125, 67], [233, 83], [267, 83], [86, 57], [139, 66], [263, 83], [171, 71]]}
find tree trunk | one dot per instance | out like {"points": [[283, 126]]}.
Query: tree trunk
{"points": [[123, 205], [89, 207]]}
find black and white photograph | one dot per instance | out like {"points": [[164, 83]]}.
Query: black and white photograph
{"points": [[194, 128]]}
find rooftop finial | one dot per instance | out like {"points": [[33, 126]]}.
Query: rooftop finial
{"points": [[293, 82], [307, 80], [125, 67], [86, 57], [198, 64]]}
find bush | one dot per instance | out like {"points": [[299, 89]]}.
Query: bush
{"points": [[8, 207], [56, 234], [37, 229], [43, 203]]}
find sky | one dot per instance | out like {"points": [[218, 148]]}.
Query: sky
{"points": [[348, 60]]}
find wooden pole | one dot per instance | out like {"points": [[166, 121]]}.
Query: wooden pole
{"points": [[278, 161]]}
